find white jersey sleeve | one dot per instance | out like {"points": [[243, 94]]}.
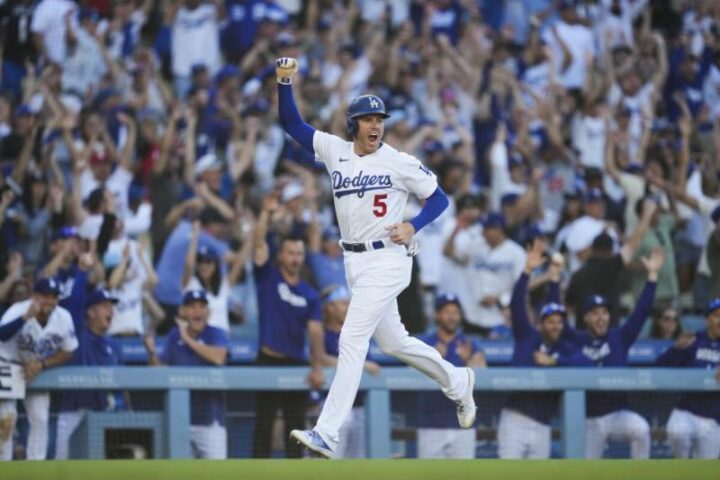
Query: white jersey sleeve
{"points": [[328, 148], [15, 311], [66, 328], [416, 177]]}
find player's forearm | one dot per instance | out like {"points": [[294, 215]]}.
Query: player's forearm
{"points": [[290, 118], [434, 206], [317, 344], [56, 360], [633, 325], [214, 355]]}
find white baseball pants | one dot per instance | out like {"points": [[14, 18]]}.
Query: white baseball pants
{"points": [[520, 436], [67, 423], [352, 435], [37, 406], [376, 278], [446, 443], [209, 441], [622, 425], [686, 430], [8, 417]]}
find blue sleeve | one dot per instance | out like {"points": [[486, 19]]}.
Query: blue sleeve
{"points": [[553, 293], [167, 356], [676, 357], [630, 330], [79, 291], [290, 119], [518, 308], [8, 330], [220, 338], [315, 309], [435, 204]]}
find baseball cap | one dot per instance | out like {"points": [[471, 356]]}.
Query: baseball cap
{"points": [[338, 294], [551, 309], [331, 233], [433, 146], [467, 201], [65, 232], [207, 253], [713, 305], [23, 110], [47, 285], [198, 67], [509, 199], [209, 161], [285, 39], [594, 301], [258, 107], [89, 13], [291, 191], [593, 195], [516, 160], [98, 296], [228, 71], [446, 299], [192, 296], [715, 215], [494, 220]]}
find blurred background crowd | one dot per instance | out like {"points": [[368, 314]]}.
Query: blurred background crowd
{"points": [[125, 126]]}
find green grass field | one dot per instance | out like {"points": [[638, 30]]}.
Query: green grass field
{"points": [[362, 469]]}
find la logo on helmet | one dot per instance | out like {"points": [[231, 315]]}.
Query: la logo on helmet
{"points": [[374, 103]]}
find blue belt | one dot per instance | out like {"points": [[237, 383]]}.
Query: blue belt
{"points": [[361, 247]]}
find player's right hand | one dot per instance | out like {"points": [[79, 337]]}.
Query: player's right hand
{"points": [[285, 69]]}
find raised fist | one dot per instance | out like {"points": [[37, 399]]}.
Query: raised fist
{"points": [[285, 68]]}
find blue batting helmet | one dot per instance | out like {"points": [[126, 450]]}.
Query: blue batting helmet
{"points": [[363, 105]]}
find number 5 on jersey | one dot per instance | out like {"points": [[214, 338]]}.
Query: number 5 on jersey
{"points": [[380, 205]]}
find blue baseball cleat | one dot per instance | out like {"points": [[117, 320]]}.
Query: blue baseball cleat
{"points": [[466, 409], [313, 442]]}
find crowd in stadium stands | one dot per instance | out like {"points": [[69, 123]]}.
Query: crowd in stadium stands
{"points": [[148, 190]]}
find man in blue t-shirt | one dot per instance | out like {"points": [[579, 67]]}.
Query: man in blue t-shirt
{"points": [[439, 435], [609, 414], [289, 308], [195, 343], [694, 425], [71, 268], [95, 348]]}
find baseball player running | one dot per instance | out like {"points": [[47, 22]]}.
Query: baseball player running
{"points": [[38, 334], [694, 424], [370, 183]]}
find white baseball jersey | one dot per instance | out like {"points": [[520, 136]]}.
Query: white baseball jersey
{"points": [[370, 192], [33, 342], [490, 272]]}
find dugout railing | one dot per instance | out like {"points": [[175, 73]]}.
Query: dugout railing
{"points": [[176, 383]]}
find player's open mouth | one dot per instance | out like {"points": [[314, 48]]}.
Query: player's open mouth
{"points": [[373, 137]]}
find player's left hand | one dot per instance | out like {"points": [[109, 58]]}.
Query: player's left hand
{"points": [[401, 233], [31, 369], [316, 378]]}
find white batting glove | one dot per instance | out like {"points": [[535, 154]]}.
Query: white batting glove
{"points": [[285, 69]]}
